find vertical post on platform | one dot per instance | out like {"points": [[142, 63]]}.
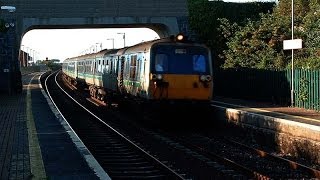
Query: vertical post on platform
{"points": [[124, 39], [292, 65], [112, 42], [22, 51]]}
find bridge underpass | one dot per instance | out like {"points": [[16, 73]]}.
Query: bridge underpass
{"points": [[165, 17]]}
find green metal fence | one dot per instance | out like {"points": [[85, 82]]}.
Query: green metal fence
{"points": [[307, 91], [270, 86]]}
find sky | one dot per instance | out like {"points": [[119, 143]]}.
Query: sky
{"points": [[65, 43]]}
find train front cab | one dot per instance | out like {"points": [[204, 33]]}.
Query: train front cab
{"points": [[181, 73]]}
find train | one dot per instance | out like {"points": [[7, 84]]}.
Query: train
{"points": [[172, 70]]}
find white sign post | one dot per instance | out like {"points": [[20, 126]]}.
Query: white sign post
{"points": [[292, 44]]}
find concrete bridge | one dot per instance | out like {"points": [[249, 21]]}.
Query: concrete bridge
{"points": [[166, 17]]}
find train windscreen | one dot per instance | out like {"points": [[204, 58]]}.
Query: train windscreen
{"points": [[180, 59]]}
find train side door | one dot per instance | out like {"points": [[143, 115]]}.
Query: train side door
{"points": [[94, 70], [115, 67], [76, 69], [120, 72]]}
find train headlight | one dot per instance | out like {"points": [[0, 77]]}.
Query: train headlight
{"points": [[159, 77], [202, 78], [208, 78], [205, 78], [156, 77], [180, 37]]}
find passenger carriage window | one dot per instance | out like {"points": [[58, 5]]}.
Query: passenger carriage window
{"points": [[114, 66], [91, 67], [127, 68], [133, 66], [138, 68], [111, 64], [107, 66], [79, 66], [199, 63], [161, 62]]}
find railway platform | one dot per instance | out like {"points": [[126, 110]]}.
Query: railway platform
{"points": [[290, 130], [296, 114], [36, 144]]}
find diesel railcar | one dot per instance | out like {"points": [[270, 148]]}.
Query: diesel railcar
{"points": [[172, 70]]}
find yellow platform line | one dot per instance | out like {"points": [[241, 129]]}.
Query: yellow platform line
{"points": [[36, 162]]}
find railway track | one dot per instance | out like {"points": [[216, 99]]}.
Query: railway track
{"points": [[255, 163], [188, 156], [120, 157], [184, 161]]}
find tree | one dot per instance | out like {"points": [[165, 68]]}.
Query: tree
{"points": [[204, 19], [259, 44]]}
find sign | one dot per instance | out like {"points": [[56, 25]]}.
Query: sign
{"points": [[292, 44]]}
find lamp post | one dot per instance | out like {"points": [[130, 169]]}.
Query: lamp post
{"points": [[27, 53], [92, 47], [36, 58], [96, 47], [112, 42], [23, 60], [292, 44], [33, 56], [292, 71], [124, 39]]}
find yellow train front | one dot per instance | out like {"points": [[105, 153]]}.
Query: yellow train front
{"points": [[170, 71]]}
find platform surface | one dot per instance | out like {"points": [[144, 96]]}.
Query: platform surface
{"points": [[34, 144]]}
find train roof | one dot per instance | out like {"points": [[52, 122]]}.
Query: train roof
{"points": [[145, 46], [105, 52], [101, 53], [141, 47]]}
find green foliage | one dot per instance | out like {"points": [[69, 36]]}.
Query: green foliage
{"points": [[311, 62], [205, 19], [259, 44], [54, 66], [303, 90]]}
